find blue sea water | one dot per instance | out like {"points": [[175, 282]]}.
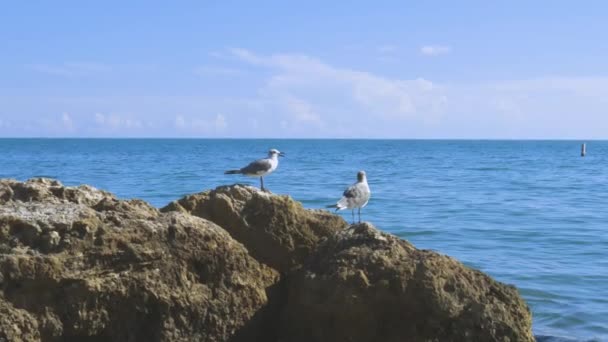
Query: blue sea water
{"points": [[530, 213]]}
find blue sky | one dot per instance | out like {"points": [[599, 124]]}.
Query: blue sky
{"points": [[358, 69]]}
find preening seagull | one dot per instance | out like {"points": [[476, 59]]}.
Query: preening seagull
{"points": [[355, 196], [260, 167]]}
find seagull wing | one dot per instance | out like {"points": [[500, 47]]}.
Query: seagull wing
{"points": [[257, 167], [352, 191], [351, 197]]}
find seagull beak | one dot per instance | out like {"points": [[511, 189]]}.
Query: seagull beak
{"points": [[281, 154]]}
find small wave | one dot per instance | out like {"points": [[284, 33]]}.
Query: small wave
{"points": [[546, 338], [406, 234], [45, 176], [489, 169]]}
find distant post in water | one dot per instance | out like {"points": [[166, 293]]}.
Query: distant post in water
{"points": [[583, 150]]}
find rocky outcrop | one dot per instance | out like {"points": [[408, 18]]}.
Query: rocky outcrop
{"points": [[364, 285], [276, 230], [231, 264], [77, 264]]}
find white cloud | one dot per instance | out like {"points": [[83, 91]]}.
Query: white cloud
{"points": [[302, 110], [345, 102], [201, 125], [220, 122], [247, 56], [66, 122], [117, 122], [180, 122], [132, 123], [309, 97], [302, 83], [114, 121], [435, 50], [100, 119]]}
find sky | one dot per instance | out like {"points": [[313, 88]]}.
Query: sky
{"points": [[314, 69]]}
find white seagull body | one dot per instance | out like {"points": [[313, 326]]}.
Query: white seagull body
{"points": [[355, 196], [260, 167]]}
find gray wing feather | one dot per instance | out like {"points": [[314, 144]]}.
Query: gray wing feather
{"points": [[354, 196], [256, 167], [352, 192]]}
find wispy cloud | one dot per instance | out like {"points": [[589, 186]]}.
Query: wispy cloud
{"points": [[306, 96], [180, 122], [309, 80], [435, 50], [303, 111], [116, 122], [249, 57], [201, 125], [66, 122]]}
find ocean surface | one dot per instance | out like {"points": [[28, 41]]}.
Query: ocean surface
{"points": [[530, 213]]}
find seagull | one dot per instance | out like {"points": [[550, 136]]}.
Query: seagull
{"points": [[355, 196], [260, 167]]}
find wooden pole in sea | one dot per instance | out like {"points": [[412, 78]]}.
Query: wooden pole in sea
{"points": [[583, 150]]}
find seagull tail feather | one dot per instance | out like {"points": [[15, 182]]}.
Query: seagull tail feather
{"points": [[336, 206], [232, 172]]}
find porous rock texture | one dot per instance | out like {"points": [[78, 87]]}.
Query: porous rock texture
{"points": [[365, 285], [76, 264], [230, 264], [276, 230]]}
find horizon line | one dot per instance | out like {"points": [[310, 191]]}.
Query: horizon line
{"points": [[324, 138]]}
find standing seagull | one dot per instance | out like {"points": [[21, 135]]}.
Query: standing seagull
{"points": [[260, 167], [355, 196]]}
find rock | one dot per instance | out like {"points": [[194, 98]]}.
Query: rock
{"points": [[78, 264], [276, 230], [364, 285], [232, 264], [49, 190], [17, 325], [50, 240]]}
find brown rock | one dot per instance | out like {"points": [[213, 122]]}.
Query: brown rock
{"points": [[17, 325], [276, 230], [49, 190], [77, 264], [364, 285]]}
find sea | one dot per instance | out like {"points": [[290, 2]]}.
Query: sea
{"points": [[530, 213]]}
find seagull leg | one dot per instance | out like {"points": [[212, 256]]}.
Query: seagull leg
{"points": [[353, 216], [359, 215], [262, 185]]}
